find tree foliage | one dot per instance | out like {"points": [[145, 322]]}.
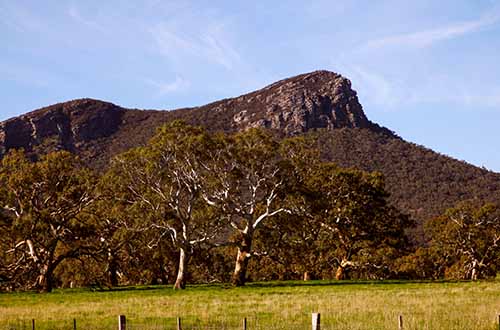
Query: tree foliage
{"points": [[178, 209], [341, 223], [44, 207], [249, 185], [467, 239], [166, 180]]}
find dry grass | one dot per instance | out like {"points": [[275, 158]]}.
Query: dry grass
{"points": [[275, 305]]}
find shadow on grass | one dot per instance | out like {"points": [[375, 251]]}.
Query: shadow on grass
{"points": [[341, 283], [127, 288], [276, 284], [167, 288], [163, 287]]}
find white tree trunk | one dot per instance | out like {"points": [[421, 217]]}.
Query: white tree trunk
{"points": [[244, 253], [240, 268], [180, 282], [474, 273]]}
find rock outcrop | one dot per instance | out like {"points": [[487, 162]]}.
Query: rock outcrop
{"points": [[316, 100], [65, 126], [320, 99]]}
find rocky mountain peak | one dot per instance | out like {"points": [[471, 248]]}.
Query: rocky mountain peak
{"points": [[320, 99]]}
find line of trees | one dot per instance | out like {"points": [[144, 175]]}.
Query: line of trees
{"points": [[194, 206]]}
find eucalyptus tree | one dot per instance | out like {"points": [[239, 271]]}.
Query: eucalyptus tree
{"points": [[248, 185], [468, 238], [165, 179], [292, 239], [44, 210], [118, 224], [356, 217]]}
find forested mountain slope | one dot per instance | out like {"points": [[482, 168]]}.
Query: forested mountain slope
{"points": [[422, 182]]}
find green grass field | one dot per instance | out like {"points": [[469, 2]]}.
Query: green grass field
{"points": [[270, 305]]}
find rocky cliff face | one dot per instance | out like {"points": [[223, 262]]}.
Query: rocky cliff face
{"points": [[320, 99], [65, 126]]}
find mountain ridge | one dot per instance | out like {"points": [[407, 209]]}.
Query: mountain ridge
{"points": [[320, 99], [421, 182]]}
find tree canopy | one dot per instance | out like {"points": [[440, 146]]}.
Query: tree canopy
{"points": [[193, 206], [44, 207]]}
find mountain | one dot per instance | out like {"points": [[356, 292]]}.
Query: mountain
{"points": [[422, 182]]}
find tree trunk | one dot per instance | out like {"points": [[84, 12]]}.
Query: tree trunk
{"points": [[240, 268], [342, 270], [113, 269], [44, 280], [307, 276], [340, 274], [475, 273], [180, 282]]}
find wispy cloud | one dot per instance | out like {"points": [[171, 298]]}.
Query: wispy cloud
{"points": [[382, 90], [390, 93], [210, 43], [28, 75], [425, 38], [373, 87], [75, 14], [178, 85], [19, 18], [321, 9], [491, 98], [447, 90]]}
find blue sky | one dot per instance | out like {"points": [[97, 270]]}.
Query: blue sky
{"points": [[428, 70]]}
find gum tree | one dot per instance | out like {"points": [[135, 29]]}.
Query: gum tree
{"points": [[468, 237], [355, 216], [165, 180], [248, 186], [44, 208], [119, 224]]}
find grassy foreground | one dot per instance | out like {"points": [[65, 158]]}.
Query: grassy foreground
{"points": [[270, 305]]}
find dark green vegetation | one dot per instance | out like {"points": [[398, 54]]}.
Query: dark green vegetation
{"points": [[421, 182], [269, 305], [192, 206]]}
